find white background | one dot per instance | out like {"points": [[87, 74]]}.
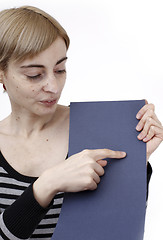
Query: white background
{"points": [[116, 53]]}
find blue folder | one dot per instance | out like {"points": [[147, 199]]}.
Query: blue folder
{"points": [[116, 209]]}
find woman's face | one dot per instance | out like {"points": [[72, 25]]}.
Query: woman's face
{"points": [[35, 84]]}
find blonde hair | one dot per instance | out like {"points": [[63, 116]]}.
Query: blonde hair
{"points": [[25, 32]]}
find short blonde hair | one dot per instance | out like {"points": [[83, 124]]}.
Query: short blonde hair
{"points": [[25, 32]]}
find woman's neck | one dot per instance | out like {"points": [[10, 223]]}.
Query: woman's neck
{"points": [[28, 124]]}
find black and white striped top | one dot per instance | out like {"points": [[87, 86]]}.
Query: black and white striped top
{"points": [[21, 217]]}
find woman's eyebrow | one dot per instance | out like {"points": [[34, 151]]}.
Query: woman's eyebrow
{"points": [[61, 60], [32, 65], [42, 66]]}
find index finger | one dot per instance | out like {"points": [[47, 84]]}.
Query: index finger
{"points": [[98, 154]]}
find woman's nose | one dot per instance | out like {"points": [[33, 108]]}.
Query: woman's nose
{"points": [[51, 85]]}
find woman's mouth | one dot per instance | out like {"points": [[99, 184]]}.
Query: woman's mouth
{"points": [[49, 103]]}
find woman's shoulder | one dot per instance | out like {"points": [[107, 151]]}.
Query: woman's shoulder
{"points": [[3, 124], [64, 111], [3, 129], [64, 107]]}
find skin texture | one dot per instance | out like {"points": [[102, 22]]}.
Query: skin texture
{"points": [[36, 126], [39, 83]]}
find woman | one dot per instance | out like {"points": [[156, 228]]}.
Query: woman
{"points": [[34, 137]]}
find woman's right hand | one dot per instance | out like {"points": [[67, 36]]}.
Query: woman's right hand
{"points": [[81, 171]]}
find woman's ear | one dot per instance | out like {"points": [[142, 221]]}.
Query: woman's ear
{"points": [[2, 80], [1, 76]]}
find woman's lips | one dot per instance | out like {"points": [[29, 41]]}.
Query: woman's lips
{"points": [[49, 103]]}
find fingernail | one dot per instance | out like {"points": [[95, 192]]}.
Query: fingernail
{"points": [[140, 135], [145, 139], [138, 115], [123, 154], [138, 127]]}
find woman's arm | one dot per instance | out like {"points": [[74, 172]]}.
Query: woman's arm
{"points": [[81, 171], [20, 219]]}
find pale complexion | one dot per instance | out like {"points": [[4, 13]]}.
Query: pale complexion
{"points": [[34, 138], [33, 81], [29, 134]]}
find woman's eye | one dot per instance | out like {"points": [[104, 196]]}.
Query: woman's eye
{"points": [[60, 71], [34, 76]]}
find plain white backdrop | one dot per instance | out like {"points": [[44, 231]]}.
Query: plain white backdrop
{"points": [[116, 53]]}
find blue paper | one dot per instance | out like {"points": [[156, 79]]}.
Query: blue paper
{"points": [[116, 209]]}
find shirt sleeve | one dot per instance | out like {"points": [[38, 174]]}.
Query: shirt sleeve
{"points": [[149, 173], [20, 219]]}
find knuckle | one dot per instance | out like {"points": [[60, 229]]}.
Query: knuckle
{"points": [[89, 182], [142, 121], [150, 133], [90, 163], [149, 119], [86, 151], [106, 151], [152, 128], [90, 171], [151, 111], [113, 153], [152, 106], [102, 151], [144, 131]]}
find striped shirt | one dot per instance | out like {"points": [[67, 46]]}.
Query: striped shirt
{"points": [[21, 217]]}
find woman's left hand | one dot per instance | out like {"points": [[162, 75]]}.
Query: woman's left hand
{"points": [[150, 127]]}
